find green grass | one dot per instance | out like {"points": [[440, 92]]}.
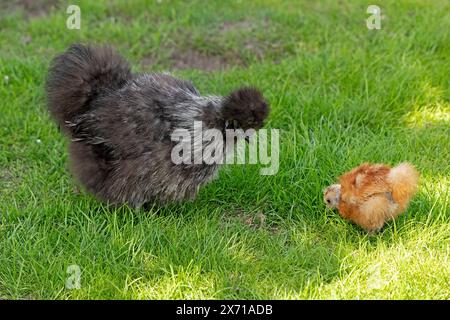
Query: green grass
{"points": [[340, 94]]}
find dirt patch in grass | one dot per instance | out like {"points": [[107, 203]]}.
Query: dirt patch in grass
{"points": [[243, 25], [249, 46], [255, 220], [6, 175], [31, 8], [8, 180], [184, 59], [194, 59], [256, 48]]}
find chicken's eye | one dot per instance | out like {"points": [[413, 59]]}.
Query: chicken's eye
{"points": [[328, 201]]}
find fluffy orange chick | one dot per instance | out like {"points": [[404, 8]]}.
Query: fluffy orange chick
{"points": [[372, 194]]}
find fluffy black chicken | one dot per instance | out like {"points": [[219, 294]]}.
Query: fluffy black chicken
{"points": [[120, 125]]}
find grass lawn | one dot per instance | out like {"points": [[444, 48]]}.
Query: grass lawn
{"points": [[341, 94]]}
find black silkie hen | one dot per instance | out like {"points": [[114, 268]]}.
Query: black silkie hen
{"points": [[120, 125]]}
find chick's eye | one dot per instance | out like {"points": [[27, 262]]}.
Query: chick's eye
{"points": [[328, 201]]}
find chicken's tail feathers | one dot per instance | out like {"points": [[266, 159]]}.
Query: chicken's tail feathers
{"points": [[78, 75], [404, 180]]}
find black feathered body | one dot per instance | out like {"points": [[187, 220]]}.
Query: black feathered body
{"points": [[120, 125]]}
